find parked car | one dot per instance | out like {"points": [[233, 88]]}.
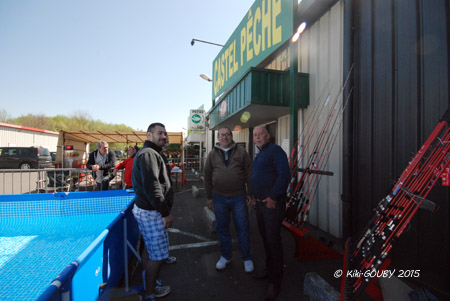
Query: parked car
{"points": [[25, 157], [119, 154], [53, 155]]}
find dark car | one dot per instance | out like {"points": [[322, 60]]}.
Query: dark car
{"points": [[119, 154], [53, 155], [25, 157]]}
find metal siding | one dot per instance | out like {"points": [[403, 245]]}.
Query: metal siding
{"points": [[401, 90], [363, 103], [435, 83], [335, 161], [283, 129], [18, 137], [382, 98], [322, 208], [321, 53], [407, 103], [241, 136]]}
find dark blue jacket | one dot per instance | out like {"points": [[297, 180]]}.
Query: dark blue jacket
{"points": [[270, 174]]}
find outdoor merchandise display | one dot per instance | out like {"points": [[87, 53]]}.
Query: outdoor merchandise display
{"points": [[369, 253], [311, 153]]}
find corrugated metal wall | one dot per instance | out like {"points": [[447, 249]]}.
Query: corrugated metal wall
{"points": [[241, 136], [320, 55], [401, 55], [18, 137]]}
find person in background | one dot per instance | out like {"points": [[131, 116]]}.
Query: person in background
{"points": [[101, 162], [227, 184], [270, 179], [151, 210], [127, 164], [170, 194]]}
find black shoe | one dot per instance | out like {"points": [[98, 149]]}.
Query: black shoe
{"points": [[261, 275], [272, 292]]}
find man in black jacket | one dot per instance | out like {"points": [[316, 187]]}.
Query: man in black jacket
{"points": [[102, 162], [152, 186]]}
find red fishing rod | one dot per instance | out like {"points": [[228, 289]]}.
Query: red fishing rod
{"points": [[310, 128], [322, 159], [394, 212]]}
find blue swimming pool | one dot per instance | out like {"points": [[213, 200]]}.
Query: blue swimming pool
{"points": [[41, 234]]}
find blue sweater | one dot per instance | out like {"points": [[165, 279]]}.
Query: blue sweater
{"points": [[270, 173]]}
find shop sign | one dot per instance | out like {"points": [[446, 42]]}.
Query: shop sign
{"points": [[197, 120], [265, 27]]}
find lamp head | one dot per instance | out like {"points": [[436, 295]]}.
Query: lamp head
{"points": [[205, 77]]}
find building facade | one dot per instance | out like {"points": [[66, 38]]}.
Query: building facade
{"points": [[386, 64], [16, 135]]}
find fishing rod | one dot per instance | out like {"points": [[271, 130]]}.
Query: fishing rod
{"points": [[306, 136], [324, 158], [404, 205], [399, 228], [296, 197], [394, 213], [318, 160], [410, 170]]}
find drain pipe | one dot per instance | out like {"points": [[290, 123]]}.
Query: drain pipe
{"points": [[348, 135]]}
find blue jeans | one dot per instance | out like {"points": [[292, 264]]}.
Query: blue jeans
{"points": [[236, 205]]}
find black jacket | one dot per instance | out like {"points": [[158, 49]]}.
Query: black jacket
{"points": [[107, 167], [151, 180]]}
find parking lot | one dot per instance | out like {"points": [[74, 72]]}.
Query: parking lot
{"points": [[18, 182]]}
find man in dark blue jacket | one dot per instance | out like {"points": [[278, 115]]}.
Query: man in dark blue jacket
{"points": [[269, 181]]}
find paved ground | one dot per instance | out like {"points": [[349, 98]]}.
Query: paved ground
{"points": [[194, 276]]}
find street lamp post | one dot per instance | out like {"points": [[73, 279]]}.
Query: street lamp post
{"points": [[211, 43], [204, 76]]}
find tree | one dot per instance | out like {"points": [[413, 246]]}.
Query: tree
{"points": [[4, 116], [35, 121]]}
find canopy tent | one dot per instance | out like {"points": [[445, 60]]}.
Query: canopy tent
{"points": [[79, 140]]}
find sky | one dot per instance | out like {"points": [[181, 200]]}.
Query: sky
{"points": [[121, 61]]}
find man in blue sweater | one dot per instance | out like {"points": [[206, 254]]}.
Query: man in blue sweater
{"points": [[269, 181]]}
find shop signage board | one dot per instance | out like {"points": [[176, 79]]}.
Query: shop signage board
{"points": [[197, 121], [264, 28]]}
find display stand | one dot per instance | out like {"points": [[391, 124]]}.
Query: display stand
{"points": [[308, 248]]}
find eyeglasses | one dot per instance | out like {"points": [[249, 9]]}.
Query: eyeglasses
{"points": [[224, 135]]}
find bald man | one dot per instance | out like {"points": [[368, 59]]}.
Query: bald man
{"points": [[269, 182]]}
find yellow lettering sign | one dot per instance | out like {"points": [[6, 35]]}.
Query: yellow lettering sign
{"points": [[264, 27], [249, 36], [265, 24], [257, 38], [276, 31]]}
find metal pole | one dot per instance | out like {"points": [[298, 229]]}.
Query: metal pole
{"points": [[125, 253], [293, 86], [195, 40]]}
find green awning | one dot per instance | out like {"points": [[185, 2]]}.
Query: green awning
{"points": [[260, 96]]}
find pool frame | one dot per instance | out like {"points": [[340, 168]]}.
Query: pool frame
{"points": [[101, 266]]}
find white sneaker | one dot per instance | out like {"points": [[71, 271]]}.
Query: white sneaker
{"points": [[161, 291], [222, 263], [248, 266]]}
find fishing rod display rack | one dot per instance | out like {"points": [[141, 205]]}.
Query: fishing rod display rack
{"points": [[367, 256]]}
